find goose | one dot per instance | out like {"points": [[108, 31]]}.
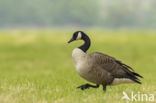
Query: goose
{"points": [[99, 68]]}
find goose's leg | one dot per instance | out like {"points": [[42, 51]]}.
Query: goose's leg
{"points": [[86, 86], [104, 88]]}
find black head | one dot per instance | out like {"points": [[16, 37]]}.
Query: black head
{"points": [[78, 35]]}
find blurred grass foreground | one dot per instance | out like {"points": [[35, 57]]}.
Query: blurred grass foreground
{"points": [[37, 67]]}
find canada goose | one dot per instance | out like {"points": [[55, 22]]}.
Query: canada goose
{"points": [[99, 68]]}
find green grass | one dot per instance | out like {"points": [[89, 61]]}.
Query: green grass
{"points": [[37, 67]]}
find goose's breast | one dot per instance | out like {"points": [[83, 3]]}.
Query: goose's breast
{"points": [[82, 67], [80, 60], [86, 71], [83, 64]]}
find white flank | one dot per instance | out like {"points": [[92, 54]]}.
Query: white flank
{"points": [[79, 36], [117, 81]]}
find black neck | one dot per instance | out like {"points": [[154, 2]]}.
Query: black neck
{"points": [[86, 45]]}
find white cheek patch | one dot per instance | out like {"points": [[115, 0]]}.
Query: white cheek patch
{"points": [[79, 36]]}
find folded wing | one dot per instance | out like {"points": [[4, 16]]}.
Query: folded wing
{"points": [[115, 67]]}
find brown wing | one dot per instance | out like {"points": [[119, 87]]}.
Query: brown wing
{"points": [[115, 67]]}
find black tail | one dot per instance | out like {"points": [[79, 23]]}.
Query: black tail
{"points": [[134, 76], [130, 72]]}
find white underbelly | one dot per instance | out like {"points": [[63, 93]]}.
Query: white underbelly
{"points": [[117, 81]]}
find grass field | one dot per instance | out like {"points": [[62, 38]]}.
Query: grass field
{"points": [[37, 67]]}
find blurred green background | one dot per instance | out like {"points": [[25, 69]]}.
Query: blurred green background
{"points": [[108, 14], [36, 65]]}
